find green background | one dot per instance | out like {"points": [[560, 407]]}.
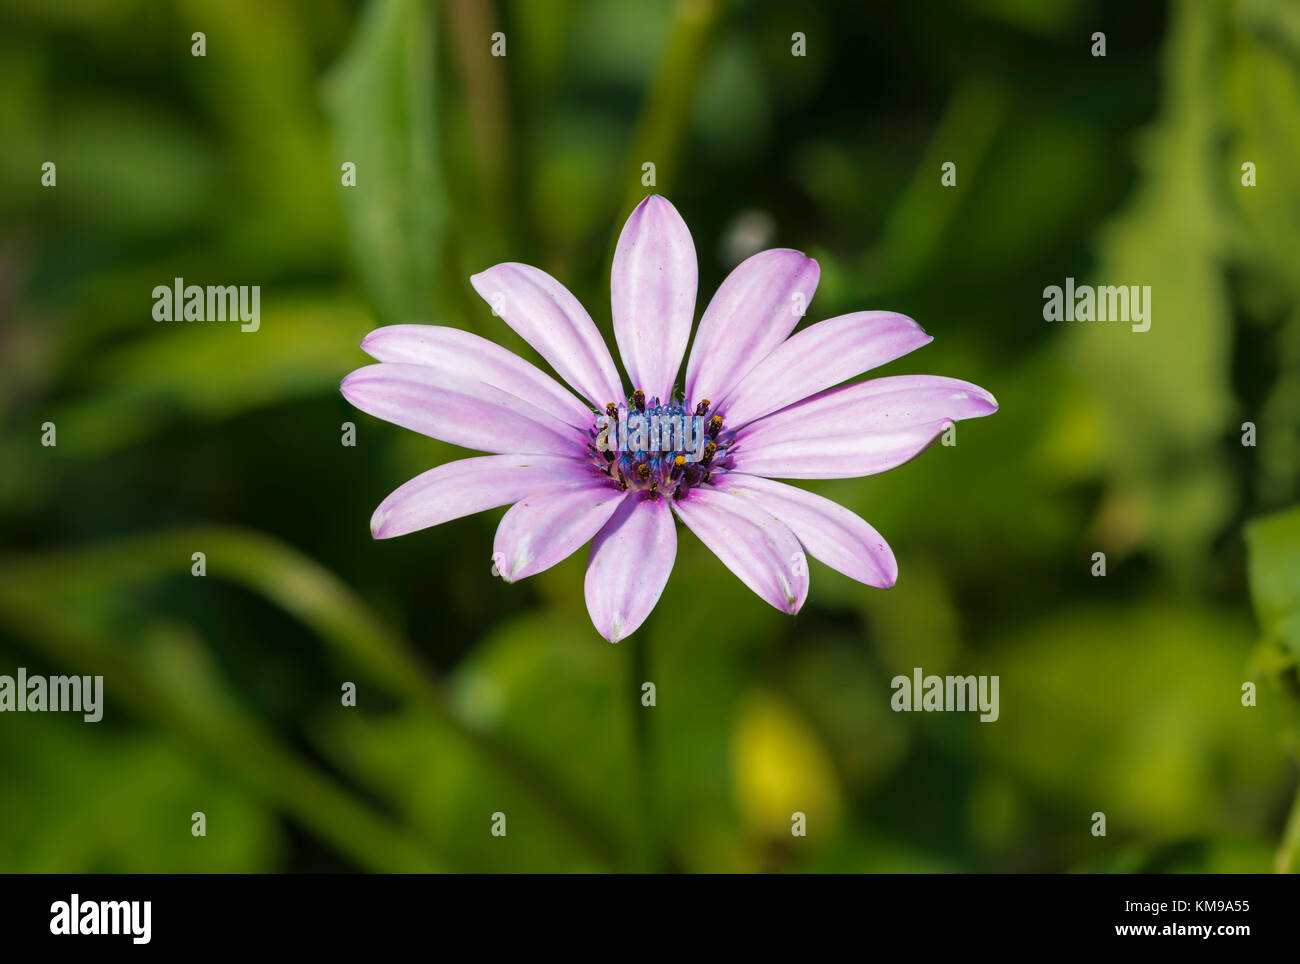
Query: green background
{"points": [[1120, 694]]}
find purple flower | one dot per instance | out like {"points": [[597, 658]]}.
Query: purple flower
{"points": [[763, 403]]}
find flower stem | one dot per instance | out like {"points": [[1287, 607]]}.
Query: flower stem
{"points": [[643, 751], [1289, 850]]}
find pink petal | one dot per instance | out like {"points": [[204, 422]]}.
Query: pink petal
{"points": [[549, 318], [652, 294], [489, 420], [551, 525], [857, 429], [751, 542], [472, 485], [753, 311], [629, 565], [459, 356], [838, 456], [826, 529], [877, 405], [818, 357]]}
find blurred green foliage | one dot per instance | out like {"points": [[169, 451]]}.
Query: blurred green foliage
{"points": [[1120, 694]]}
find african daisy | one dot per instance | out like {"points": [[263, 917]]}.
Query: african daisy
{"points": [[763, 403]]}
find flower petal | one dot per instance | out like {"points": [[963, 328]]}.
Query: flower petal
{"points": [[751, 542], [652, 293], [857, 429], [489, 420], [754, 309], [818, 357], [551, 525], [839, 456], [550, 318], [467, 486], [827, 530], [460, 356], [876, 405], [629, 565]]}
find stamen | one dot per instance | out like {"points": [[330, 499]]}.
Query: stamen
{"points": [[670, 470]]}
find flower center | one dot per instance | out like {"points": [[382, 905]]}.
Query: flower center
{"points": [[662, 448]]}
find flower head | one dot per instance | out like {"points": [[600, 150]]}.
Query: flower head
{"points": [[614, 467]]}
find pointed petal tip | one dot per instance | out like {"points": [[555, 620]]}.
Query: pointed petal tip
{"points": [[886, 578], [474, 278], [901, 316], [809, 263], [796, 596], [656, 200], [346, 385], [367, 344], [479, 279], [655, 204], [617, 630], [380, 527], [983, 394]]}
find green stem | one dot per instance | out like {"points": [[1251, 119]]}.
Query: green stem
{"points": [[916, 225], [643, 750], [483, 87], [1289, 852], [662, 124]]}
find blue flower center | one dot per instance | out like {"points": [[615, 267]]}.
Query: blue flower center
{"points": [[665, 448]]}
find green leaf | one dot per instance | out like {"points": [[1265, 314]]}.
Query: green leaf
{"points": [[1163, 395], [1273, 543], [63, 601], [120, 802], [1138, 708], [211, 372], [381, 103], [544, 686]]}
